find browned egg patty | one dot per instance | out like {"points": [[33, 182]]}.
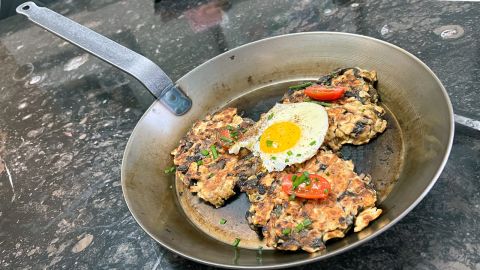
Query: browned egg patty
{"points": [[299, 223], [354, 119], [308, 224], [213, 179]]}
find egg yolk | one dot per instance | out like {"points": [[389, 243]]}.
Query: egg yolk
{"points": [[279, 137]]}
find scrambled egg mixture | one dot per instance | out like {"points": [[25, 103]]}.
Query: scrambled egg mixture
{"points": [[302, 193]]}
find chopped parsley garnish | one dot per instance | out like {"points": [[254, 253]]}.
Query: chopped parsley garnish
{"points": [[287, 160], [325, 191], [270, 116], [291, 197], [214, 152], [299, 155], [300, 86], [211, 175], [273, 158], [234, 134], [229, 127], [204, 152], [307, 222], [304, 178], [169, 170], [225, 139], [324, 104], [223, 221], [286, 231], [289, 153], [199, 162], [299, 227], [313, 142], [269, 143], [236, 242]]}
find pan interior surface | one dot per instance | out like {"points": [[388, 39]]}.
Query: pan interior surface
{"points": [[412, 151], [382, 158]]}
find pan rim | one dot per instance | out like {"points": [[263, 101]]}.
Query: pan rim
{"points": [[343, 249]]}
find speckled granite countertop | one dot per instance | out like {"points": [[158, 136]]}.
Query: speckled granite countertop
{"points": [[65, 118]]}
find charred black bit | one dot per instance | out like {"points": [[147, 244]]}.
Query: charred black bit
{"points": [[359, 128], [344, 194], [318, 243], [261, 189], [349, 93], [261, 175], [195, 158], [242, 176], [323, 167], [277, 210], [182, 168], [220, 164]]}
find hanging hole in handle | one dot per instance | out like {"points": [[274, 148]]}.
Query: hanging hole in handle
{"points": [[172, 97], [26, 7]]}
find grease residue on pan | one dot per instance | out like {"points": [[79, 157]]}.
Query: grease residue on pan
{"points": [[382, 158]]}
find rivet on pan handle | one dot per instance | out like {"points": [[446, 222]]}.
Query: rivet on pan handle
{"points": [[144, 70]]}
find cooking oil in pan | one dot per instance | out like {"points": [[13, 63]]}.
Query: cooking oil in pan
{"points": [[381, 158]]}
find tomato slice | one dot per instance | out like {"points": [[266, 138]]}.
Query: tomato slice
{"points": [[318, 188], [324, 93]]}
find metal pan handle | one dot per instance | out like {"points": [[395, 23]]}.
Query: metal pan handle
{"points": [[144, 70]]}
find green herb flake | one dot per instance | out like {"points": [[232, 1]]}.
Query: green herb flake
{"points": [[270, 116], [307, 222], [299, 155], [225, 139], [229, 127], [274, 158], [286, 231], [304, 178], [234, 134], [223, 221], [205, 152], [299, 227], [294, 177], [300, 86], [199, 162], [287, 160], [289, 153], [210, 175], [269, 143], [324, 104], [325, 191], [292, 197], [214, 151], [313, 142], [236, 242], [170, 170]]}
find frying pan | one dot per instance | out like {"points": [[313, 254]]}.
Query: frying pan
{"points": [[404, 162]]}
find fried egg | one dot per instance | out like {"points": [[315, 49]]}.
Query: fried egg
{"points": [[287, 134]]}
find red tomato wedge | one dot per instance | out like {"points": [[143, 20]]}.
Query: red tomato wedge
{"points": [[325, 93], [318, 188]]}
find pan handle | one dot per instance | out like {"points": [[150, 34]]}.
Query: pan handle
{"points": [[143, 69]]}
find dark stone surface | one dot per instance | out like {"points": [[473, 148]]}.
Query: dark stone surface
{"points": [[65, 118]]}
